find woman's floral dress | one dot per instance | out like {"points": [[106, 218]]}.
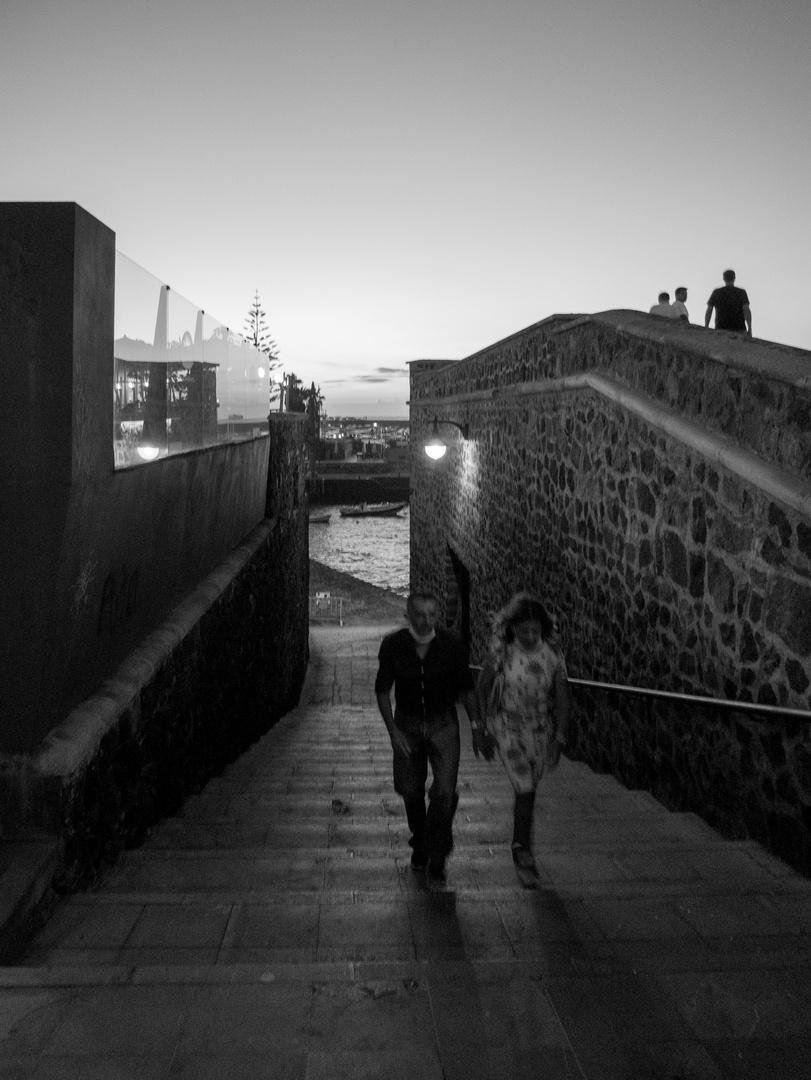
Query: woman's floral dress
{"points": [[522, 724]]}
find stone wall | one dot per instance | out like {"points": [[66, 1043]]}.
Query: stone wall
{"points": [[748, 775], [652, 483]]}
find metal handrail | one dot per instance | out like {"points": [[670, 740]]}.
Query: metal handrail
{"points": [[696, 699], [330, 607], [693, 699]]}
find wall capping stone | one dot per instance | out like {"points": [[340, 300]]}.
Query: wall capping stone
{"points": [[652, 483], [769, 358], [69, 747], [194, 452], [770, 479]]}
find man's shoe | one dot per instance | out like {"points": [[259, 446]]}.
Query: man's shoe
{"points": [[436, 869], [419, 859]]}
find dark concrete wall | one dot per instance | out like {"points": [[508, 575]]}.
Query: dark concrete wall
{"points": [[666, 518], [56, 290], [190, 698], [153, 620], [132, 548], [93, 559]]}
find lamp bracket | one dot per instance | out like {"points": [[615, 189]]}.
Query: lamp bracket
{"points": [[464, 428]]}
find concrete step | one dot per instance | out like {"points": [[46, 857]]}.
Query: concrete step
{"points": [[275, 928], [27, 868]]}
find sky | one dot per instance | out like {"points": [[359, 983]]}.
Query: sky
{"points": [[419, 179]]}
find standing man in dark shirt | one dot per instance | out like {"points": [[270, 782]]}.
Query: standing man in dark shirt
{"points": [[731, 305], [428, 669]]}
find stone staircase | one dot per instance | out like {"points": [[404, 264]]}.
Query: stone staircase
{"points": [[274, 928]]}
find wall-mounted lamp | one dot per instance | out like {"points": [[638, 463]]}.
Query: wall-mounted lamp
{"points": [[435, 447]]}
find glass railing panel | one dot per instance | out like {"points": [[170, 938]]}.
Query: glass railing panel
{"points": [[257, 389], [182, 380], [245, 391], [235, 401], [215, 354], [239, 358], [139, 381], [191, 382]]}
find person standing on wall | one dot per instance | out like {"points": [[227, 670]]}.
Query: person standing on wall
{"points": [[428, 668], [523, 692], [731, 305]]}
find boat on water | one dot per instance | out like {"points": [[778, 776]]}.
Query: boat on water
{"points": [[320, 519], [373, 509]]}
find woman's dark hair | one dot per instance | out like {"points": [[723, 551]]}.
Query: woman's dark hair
{"points": [[523, 607]]}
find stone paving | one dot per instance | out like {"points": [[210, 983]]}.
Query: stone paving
{"points": [[274, 928]]}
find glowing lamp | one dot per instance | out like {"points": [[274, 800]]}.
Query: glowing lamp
{"points": [[435, 447]]}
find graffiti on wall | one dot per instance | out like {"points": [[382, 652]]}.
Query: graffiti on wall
{"points": [[85, 578]]}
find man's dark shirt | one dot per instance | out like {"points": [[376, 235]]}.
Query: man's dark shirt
{"points": [[426, 687], [728, 302]]}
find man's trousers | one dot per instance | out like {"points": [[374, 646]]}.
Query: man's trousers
{"points": [[435, 741]]}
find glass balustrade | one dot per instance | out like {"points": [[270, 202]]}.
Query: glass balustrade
{"points": [[183, 380]]}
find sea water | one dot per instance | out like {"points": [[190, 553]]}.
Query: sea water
{"points": [[374, 549]]}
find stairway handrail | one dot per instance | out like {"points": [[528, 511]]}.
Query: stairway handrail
{"points": [[693, 699]]}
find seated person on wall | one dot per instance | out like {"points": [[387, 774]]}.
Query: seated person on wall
{"points": [[664, 308], [679, 305]]}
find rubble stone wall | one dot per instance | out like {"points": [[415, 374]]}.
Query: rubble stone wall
{"points": [[666, 566]]}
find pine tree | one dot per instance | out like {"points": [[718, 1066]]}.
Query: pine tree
{"points": [[257, 333]]}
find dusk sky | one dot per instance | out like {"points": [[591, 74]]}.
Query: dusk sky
{"points": [[421, 179]]}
